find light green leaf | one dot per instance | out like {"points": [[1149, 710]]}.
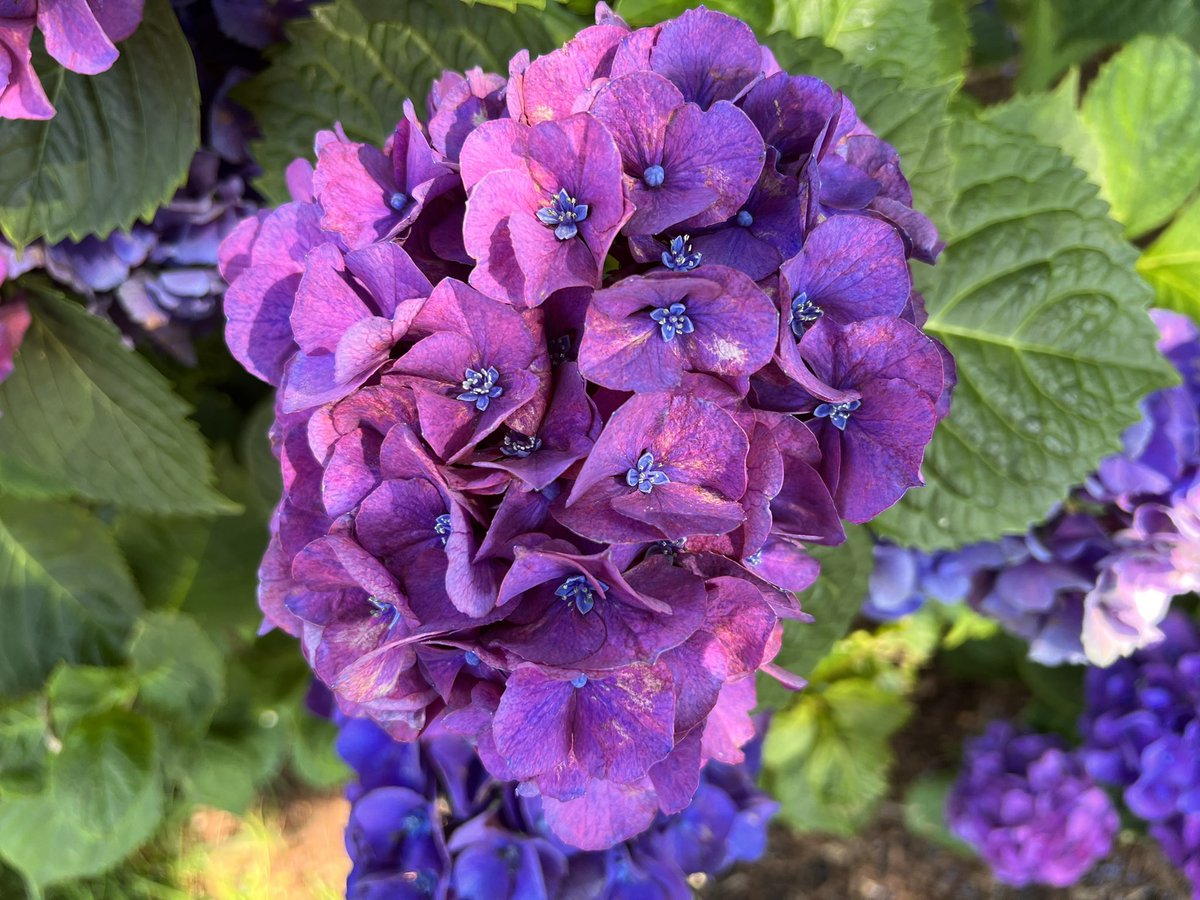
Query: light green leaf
{"points": [[104, 800], [221, 774], [1143, 112], [24, 735], [832, 601], [1037, 299], [1053, 119], [896, 37], [75, 692], [95, 420], [313, 756], [357, 61], [925, 811], [1172, 264], [510, 5], [118, 148], [180, 671], [755, 13], [63, 587]]}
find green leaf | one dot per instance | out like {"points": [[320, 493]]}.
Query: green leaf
{"points": [[1172, 264], [104, 800], [832, 601], [896, 37], [1037, 299], [24, 735], [180, 671], [1111, 22], [510, 5], [1052, 119], [357, 61], [755, 13], [63, 587], [118, 148], [75, 692], [96, 421], [925, 811], [221, 774], [1143, 111], [312, 749]]}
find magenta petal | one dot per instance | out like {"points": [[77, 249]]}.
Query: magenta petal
{"points": [[553, 81], [676, 778], [532, 726], [326, 305], [625, 722], [74, 37], [605, 815], [493, 146], [118, 18], [21, 93], [709, 55], [353, 183]]}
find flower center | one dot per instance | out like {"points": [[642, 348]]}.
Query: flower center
{"points": [[519, 445], [563, 215], [679, 256], [480, 387], [471, 658], [560, 349], [754, 558], [646, 476], [672, 320], [382, 608], [579, 680], [398, 201], [837, 413], [654, 176], [578, 593], [745, 219], [669, 549], [804, 313], [442, 528]]}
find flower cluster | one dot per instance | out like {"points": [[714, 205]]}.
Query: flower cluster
{"points": [[428, 821], [1093, 582], [1030, 809], [565, 379], [81, 35], [1141, 731]]}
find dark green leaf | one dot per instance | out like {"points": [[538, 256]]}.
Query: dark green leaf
{"points": [[925, 811], [63, 587], [312, 747], [756, 13], [356, 62], [118, 148], [1037, 299], [180, 671], [24, 736], [75, 692], [96, 421]]}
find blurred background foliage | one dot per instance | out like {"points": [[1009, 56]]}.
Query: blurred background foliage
{"points": [[1054, 142]]}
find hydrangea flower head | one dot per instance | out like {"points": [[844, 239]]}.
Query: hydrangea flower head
{"points": [[553, 435], [1029, 809]]}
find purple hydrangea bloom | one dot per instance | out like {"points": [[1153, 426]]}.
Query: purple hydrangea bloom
{"points": [[428, 820], [80, 34], [1141, 731], [548, 478], [1030, 809]]}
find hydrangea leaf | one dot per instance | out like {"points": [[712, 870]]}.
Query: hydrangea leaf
{"points": [[180, 671], [896, 37], [88, 418], [758, 14], [1114, 22], [75, 692], [104, 800], [357, 61], [311, 749], [64, 589], [1172, 264], [833, 600], [1037, 299], [23, 730], [1143, 112], [924, 811], [119, 146]]}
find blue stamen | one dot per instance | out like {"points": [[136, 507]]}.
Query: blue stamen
{"points": [[745, 219], [442, 528], [471, 658], [579, 680], [381, 608], [578, 593], [669, 549], [804, 313], [563, 215], [519, 445], [645, 476], [672, 320], [398, 201], [480, 387], [754, 558], [837, 413], [560, 349], [654, 176], [679, 256]]}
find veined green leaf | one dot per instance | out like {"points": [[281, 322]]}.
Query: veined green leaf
{"points": [[1172, 264]]}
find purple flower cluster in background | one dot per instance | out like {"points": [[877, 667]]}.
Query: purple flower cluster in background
{"points": [[80, 34], [1141, 732], [566, 378], [1092, 583], [160, 279], [1028, 807], [427, 820]]}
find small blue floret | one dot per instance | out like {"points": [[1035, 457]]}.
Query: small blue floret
{"points": [[745, 219], [519, 445], [645, 477], [579, 680], [563, 215], [654, 176], [804, 313], [480, 387], [442, 528], [398, 201], [672, 320], [471, 658], [837, 413], [679, 256], [578, 593], [382, 608]]}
